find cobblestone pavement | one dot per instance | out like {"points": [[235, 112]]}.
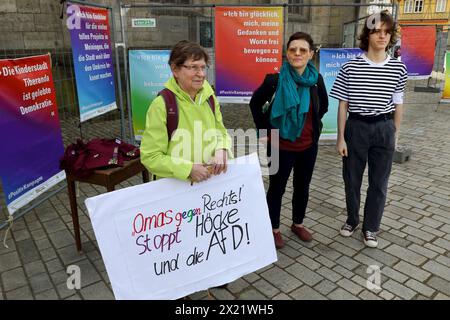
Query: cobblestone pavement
{"points": [[414, 242]]}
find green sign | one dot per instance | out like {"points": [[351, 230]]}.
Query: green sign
{"points": [[143, 23]]}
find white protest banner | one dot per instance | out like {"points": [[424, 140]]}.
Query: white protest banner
{"points": [[167, 239]]}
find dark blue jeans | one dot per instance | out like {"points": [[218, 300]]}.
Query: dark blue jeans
{"points": [[372, 143], [303, 165]]}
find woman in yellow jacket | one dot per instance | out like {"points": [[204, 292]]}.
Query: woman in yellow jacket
{"points": [[200, 145]]}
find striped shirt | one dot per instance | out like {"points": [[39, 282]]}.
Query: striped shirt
{"points": [[371, 88]]}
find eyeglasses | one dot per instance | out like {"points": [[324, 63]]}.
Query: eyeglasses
{"points": [[303, 51], [196, 68], [379, 32]]}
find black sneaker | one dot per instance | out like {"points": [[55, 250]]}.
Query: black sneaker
{"points": [[347, 230], [370, 239]]}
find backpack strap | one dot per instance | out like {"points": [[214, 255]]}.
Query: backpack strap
{"points": [[212, 104], [171, 110]]}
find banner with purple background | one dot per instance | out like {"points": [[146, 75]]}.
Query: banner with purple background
{"points": [[417, 50], [92, 59], [31, 143]]}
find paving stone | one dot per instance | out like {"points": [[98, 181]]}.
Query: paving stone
{"points": [[59, 277], [251, 277], [399, 289], [441, 296], [23, 293], [38, 234], [394, 239], [97, 291], [34, 268], [62, 238], [198, 295], [326, 231], [281, 296], [55, 225], [28, 251], [391, 273], [322, 239], [418, 233], [48, 254], [306, 275], [47, 295], [327, 252], [386, 295], [381, 256], [325, 261], [343, 249], [54, 265], [367, 295], [308, 252], [266, 288], [69, 255], [430, 222], [329, 274], [352, 242], [252, 294], [89, 274], [290, 252], [406, 255], [434, 248], [412, 271], [20, 235], [73, 297], [445, 244], [283, 260], [307, 293], [40, 283], [13, 279], [9, 261], [344, 272], [283, 280], [419, 287], [347, 262], [42, 244], [423, 251], [437, 269], [350, 286], [325, 287], [341, 294], [65, 292], [308, 262], [237, 286]]}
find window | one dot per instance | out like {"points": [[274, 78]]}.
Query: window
{"points": [[418, 6], [408, 6], [440, 5], [296, 9]]}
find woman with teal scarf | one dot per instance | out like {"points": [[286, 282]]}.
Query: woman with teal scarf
{"points": [[298, 101]]}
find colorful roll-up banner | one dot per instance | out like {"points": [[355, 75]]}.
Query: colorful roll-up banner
{"points": [[31, 143], [331, 61], [149, 71], [417, 51], [446, 92], [92, 59], [249, 44]]}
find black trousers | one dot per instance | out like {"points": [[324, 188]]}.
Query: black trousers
{"points": [[372, 143], [303, 165]]}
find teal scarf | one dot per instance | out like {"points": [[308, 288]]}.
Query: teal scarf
{"points": [[291, 104]]}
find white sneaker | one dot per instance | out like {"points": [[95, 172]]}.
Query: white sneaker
{"points": [[370, 239], [347, 230]]}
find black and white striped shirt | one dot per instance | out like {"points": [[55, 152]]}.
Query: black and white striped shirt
{"points": [[371, 88]]}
